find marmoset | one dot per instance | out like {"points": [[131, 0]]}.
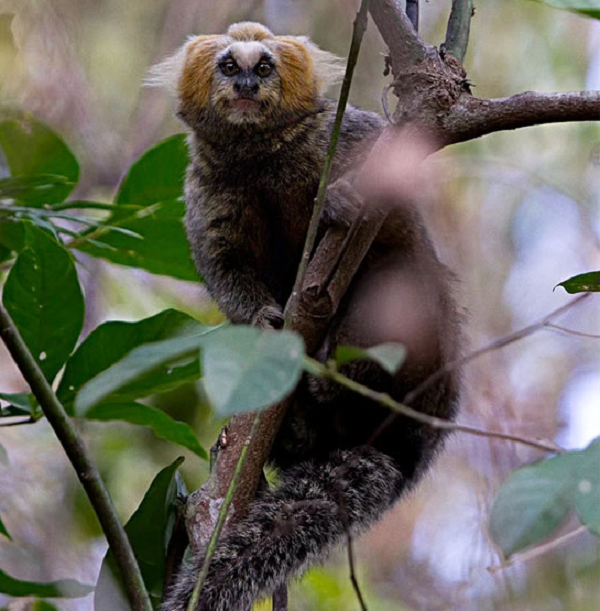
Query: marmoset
{"points": [[259, 130]]}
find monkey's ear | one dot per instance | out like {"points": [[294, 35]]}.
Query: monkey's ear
{"points": [[329, 68], [188, 72]]}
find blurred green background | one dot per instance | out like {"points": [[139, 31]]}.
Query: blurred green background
{"points": [[514, 214]]}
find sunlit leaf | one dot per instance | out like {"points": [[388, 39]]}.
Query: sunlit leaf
{"points": [[32, 149], [43, 297], [245, 369], [161, 424], [66, 588], [582, 283], [149, 531], [390, 355]]}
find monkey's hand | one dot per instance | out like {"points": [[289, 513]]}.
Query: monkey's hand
{"points": [[343, 204], [269, 317]]}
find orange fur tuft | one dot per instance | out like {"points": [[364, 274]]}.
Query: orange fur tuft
{"points": [[199, 67], [296, 68]]}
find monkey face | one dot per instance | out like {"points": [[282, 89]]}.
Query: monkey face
{"points": [[246, 85]]}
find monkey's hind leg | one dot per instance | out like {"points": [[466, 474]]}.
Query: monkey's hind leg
{"points": [[291, 527]]}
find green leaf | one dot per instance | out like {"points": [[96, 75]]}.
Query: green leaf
{"points": [[390, 355], [12, 234], [112, 341], [66, 588], [3, 530], [591, 8], [246, 369], [31, 149], [149, 531], [19, 404], [133, 374], [43, 297], [582, 283], [587, 486], [27, 187], [158, 175], [162, 247], [532, 503], [161, 424], [42, 605]]}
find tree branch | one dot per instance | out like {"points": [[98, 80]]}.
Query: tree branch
{"points": [[406, 48], [459, 26], [412, 12], [475, 117], [82, 463]]}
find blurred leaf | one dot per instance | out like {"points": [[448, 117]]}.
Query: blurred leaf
{"points": [[157, 176], [582, 283], [112, 341], [43, 297], [154, 181], [19, 404], [3, 530], [532, 503], [161, 249], [590, 8], [28, 187], [587, 491], [161, 424], [149, 531], [66, 588], [390, 355], [3, 456], [245, 369], [31, 149]]}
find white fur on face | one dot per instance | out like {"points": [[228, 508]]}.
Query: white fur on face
{"points": [[248, 53]]}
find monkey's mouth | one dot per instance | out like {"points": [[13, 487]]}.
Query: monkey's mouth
{"points": [[244, 104]]}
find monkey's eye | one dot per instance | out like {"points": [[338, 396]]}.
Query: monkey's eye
{"points": [[229, 67], [263, 69]]}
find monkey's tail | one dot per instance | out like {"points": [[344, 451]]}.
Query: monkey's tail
{"points": [[291, 527]]}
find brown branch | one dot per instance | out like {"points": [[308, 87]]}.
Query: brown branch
{"points": [[412, 12], [574, 332], [406, 48], [459, 27], [475, 117], [353, 578]]}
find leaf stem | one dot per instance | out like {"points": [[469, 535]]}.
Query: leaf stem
{"points": [[360, 25], [82, 462]]}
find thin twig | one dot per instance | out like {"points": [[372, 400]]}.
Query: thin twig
{"points": [[539, 550], [82, 462], [28, 420], [459, 25], [360, 25], [437, 423], [412, 12], [495, 345], [353, 578], [571, 331], [223, 511], [280, 599]]}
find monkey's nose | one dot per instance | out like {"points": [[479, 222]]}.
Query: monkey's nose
{"points": [[246, 88]]}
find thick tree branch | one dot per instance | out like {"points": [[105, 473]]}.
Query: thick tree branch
{"points": [[406, 48], [82, 463], [459, 26], [474, 117]]}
